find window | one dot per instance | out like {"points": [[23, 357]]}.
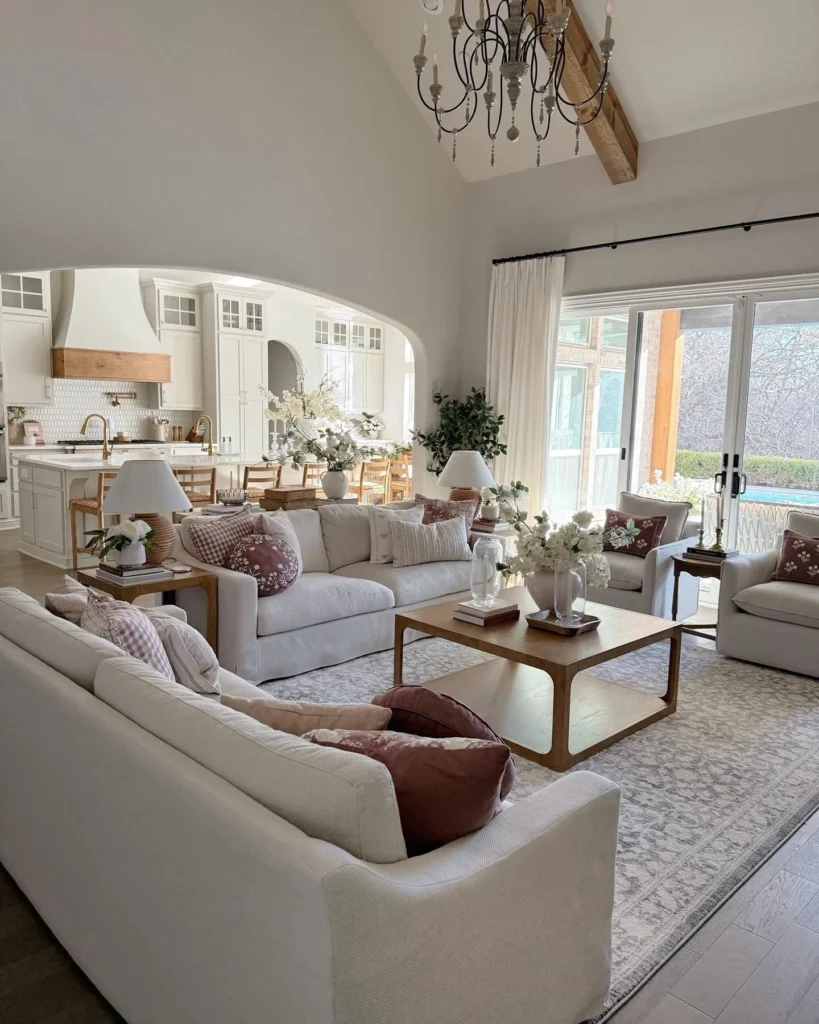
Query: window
{"points": [[375, 339], [615, 331], [610, 408], [231, 318], [20, 292], [340, 335], [322, 332], [358, 339], [253, 314], [574, 330], [568, 407], [179, 309]]}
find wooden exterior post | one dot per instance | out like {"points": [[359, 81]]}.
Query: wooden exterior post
{"points": [[667, 399]]}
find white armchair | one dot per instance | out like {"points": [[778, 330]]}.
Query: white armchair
{"points": [[647, 584], [770, 622]]}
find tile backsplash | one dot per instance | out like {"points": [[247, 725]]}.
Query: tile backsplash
{"points": [[74, 399]]}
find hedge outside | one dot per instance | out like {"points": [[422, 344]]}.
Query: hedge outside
{"points": [[770, 470]]}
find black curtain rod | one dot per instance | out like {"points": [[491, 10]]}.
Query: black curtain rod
{"points": [[746, 225]]}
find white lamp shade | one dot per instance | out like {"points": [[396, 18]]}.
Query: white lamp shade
{"points": [[466, 469], [145, 485]]}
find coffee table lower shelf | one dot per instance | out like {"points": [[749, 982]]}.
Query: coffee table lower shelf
{"points": [[517, 702]]}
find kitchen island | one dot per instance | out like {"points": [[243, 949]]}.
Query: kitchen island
{"points": [[49, 480]]}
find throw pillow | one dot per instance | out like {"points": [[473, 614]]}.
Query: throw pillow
{"points": [[270, 560], [424, 712], [445, 788], [298, 717], [676, 512], [127, 628], [437, 510], [213, 538], [70, 600], [277, 524], [192, 659], [798, 559], [380, 537], [650, 527], [414, 543]]}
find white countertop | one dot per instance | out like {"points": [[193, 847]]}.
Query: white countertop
{"points": [[96, 445], [94, 463]]}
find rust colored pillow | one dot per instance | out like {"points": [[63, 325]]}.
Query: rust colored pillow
{"points": [[424, 712], [798, 559], [445, 788], [271, 560], [650, 527], [298, 717], [436, 510]]}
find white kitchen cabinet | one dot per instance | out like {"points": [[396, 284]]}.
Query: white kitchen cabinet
{"points": [[374, 393], [242, 314], [27, 519], [5, 503], [254, 378], [231, 396], [26, 349], [49, 519], [174, 311], [351, 353]]}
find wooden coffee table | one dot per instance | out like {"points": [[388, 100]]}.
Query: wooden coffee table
{"points": [[536, 694]]}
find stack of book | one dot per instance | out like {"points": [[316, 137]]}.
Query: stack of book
{"points": [[489, 525], [504, 611], [125, 574], [288, 497], [709, 555]]}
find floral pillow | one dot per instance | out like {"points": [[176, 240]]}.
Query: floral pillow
{"points": [[271, 560], [798, 559], [650, 527], [437, 510]]}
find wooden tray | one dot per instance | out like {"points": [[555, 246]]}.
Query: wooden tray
{"points": [[548, 622]]}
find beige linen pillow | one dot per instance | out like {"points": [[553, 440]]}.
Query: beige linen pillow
{"points": [[414, 543], [298, 717], [380, 537], [277, 524], [70, 600], [192, 659]]}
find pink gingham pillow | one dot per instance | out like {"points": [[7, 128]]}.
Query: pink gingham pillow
{"points": [[128, 628], [214, 537]]}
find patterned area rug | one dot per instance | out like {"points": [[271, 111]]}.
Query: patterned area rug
{"points": [[707, 793]]}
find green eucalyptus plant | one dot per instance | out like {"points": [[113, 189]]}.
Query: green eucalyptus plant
{"points": [[467, 425]]}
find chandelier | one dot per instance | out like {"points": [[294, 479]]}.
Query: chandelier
{"points": [[524, 42]]}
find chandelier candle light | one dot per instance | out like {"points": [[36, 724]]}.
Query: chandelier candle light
{"points": [[528, 45]]}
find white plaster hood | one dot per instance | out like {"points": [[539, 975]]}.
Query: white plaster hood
{"points": [[103, 310]]}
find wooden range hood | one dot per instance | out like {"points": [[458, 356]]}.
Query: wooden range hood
{"points": [[100, 364]]}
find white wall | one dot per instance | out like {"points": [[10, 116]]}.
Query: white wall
{"points": [[197, 134], [761, 167]]}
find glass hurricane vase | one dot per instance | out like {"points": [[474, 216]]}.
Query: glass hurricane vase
{"points": [[486, 577], [570, 594]]}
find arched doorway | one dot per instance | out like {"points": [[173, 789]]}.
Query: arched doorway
{"points": [[283, 372]]}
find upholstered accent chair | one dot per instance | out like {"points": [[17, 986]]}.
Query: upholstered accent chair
{"points": [[770, 622], [647, 584]]}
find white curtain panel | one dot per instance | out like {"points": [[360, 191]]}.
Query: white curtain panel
{"points": [[524, 310]]}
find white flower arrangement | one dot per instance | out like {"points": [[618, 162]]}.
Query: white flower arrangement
{"points": [[120, 535], [291, 406], [338, 448], [682, 488], [549, 546]]}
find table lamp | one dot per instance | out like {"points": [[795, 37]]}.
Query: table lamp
{"points": [[148, 484], [466, 473]]}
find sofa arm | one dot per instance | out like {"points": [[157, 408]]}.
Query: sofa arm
{"points": [[740, 573], [521, 909], [658, 579], [238, 612]]}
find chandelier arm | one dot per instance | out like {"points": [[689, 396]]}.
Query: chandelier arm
{"points": [[438, 110], [465, 82]]}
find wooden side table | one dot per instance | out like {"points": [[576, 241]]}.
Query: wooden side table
{"points": [[180, 581], [702, 569]]}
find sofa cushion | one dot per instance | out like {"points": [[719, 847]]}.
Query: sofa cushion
{"points": [[804, 523], [60, 644], [307, 524], [320, 597], [342, 798], [415, 583], [676, 512], [626, 570], [346, 532], [271, 561], [785, 602], [298, 717]]}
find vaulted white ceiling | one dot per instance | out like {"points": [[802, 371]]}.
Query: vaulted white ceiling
{"points": [[678, 65]]}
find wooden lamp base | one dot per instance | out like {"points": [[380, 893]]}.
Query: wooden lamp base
{"points": [[464, 494], [163, 539]]}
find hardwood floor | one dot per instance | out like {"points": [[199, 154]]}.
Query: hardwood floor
{"points": [[756, 961]]}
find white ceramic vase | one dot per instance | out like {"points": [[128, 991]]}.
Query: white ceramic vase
{"points": [[541, 587], [334, 483], [132, 554]]}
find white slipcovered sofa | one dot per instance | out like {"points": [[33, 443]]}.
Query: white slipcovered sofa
{"points": [[342, 607], [647, 584], [770, 622], [198, 866]]}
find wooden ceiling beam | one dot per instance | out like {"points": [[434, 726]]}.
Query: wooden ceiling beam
{"points": [[610, 133]]}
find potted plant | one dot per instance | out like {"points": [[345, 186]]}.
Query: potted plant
{"points": [[367, 425], [129, 540], [549, 555], [338, 448], [15, 415], [490, 510], [467, 425]]}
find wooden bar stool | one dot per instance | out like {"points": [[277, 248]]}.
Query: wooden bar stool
{"points": [[400, 486], [198, 483], [312, 474], [262, 477], [89, 507], [373, 481]]}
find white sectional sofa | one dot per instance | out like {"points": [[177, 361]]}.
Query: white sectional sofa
{"points": [[342, 607], [198, 866]]}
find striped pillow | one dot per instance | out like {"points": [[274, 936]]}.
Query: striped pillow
{"points": [[415, 543]]}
